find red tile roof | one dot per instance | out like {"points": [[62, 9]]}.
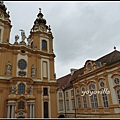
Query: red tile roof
{"points": [[109, 59]]}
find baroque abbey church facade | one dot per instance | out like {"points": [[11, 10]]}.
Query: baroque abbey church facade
{"points": [[27, 76]]}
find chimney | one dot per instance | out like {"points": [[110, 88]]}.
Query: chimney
{"points": [[72, 70]]}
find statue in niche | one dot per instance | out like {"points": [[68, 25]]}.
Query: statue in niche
{"points": [[33, 70], [9, 68], [31, 89], [12, 88]]}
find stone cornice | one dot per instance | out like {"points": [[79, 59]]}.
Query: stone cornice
{"points": [[26, 48]]}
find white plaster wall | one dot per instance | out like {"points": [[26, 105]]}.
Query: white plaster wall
{"points": [[112, 69], [70, 102], [117, 110], [63, 111], [100, 73], [42, 59], [25, 57], [112, 91]]}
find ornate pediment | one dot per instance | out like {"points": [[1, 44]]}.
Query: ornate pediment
{"points": [[91, 65]]}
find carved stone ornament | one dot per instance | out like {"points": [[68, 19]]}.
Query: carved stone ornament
{"points": [[22, 73], [33, 68]]}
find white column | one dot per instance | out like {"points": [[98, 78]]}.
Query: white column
{"points": [[8, 113], [33, 110], [12, 113], [30, 111]]}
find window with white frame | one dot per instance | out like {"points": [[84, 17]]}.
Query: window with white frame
{"points": [[118, 95], [60, 105], [66, 94], [67, 105], [73, 104], [77, 90], [84, 99], [94, 101], [72, 94], [60, 94], [78, 100], [84, 102], [105, 100]]}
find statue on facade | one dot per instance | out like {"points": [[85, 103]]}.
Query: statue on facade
{"points": [[9, 68], [23, 35], [31, 89], [16, 38], [29, 41], [12, 88], [33, 70]]}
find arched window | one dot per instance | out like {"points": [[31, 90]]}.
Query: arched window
{"points": [[44, 45], [21, 105], [21, 88], [105, 100], [118, 95]]}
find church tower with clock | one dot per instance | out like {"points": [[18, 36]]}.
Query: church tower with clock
{"points": [[27, 75]]}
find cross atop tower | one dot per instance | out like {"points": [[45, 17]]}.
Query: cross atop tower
{"points": [[40, 10]]}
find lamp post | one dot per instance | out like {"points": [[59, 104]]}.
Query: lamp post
{"points": [[63, 88]]}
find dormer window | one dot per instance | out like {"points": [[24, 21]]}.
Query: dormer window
{"points": [[89, 66], [117, 81]]}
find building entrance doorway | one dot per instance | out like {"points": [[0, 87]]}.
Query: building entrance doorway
{"points": [[45, 109]]}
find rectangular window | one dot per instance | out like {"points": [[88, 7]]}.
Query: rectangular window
{"points": [[66, 94], [72, 94], [78, 102], [118, 95], [45, 91], [84, 102], [94, 102], [105, 100], [67, 105], [60, 94], [45, 69], [73, 104], [60, 105]]}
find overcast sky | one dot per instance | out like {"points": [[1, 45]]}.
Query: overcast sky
{"points": [[82, 30]]}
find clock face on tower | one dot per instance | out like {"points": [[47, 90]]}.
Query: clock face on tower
{"points": [[42, 27]]}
